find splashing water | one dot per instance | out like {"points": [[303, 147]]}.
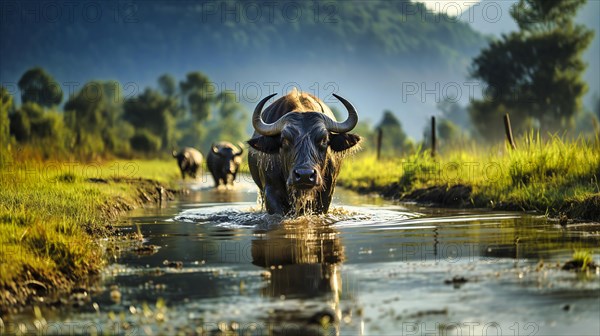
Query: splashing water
{"points": [[245, 215]]}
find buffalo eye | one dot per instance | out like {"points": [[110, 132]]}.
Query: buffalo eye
{"points": [[323, 143]]}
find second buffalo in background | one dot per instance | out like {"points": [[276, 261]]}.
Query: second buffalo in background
{"points": [[223, 161]]}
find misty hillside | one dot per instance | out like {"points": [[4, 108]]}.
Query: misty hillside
{"points": [[150, 33], [366, 51]]}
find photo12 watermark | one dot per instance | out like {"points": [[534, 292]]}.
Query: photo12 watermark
{"points": [[269, 11], [455, 92], [35, 12], [468, 328], [118, 92]]}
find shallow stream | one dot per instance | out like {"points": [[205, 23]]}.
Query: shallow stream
{"points": [[214, 263]]}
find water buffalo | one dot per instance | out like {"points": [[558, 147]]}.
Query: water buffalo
{"points": [[297, 151], [189, 161], [223, 161]]}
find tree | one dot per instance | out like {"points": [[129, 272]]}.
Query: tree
{"points": [[448, 131], [5, 106], [193, 134], [95, 116], [168, 85], [455, 113], [533, 74], [544, 15], [37, 86], [395, 141], [155, 113], [197, 90], [6, 103], [31, 124], [365, 129], [145, 142], [228, 125]]}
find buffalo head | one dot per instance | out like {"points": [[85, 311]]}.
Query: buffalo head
{"points": [[305, 141], [230, 158]]}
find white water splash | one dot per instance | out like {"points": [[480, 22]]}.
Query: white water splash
{"points": [[248, 215]]}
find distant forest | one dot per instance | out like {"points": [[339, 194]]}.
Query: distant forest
{"points": [[541, 62], [378, 32]]}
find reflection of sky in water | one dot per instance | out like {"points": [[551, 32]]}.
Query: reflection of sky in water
{"points": [[369, 266]]}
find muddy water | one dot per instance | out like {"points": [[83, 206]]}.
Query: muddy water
{"points": [[370, 267]]}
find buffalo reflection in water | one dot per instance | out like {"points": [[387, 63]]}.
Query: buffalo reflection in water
{"points": [[304, 262]]}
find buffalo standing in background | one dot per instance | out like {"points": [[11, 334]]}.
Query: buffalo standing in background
{"points": [[189, 161], [298, 147], [223, 162]]}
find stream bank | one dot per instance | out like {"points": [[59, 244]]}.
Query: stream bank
{"points": [[60, 251]]}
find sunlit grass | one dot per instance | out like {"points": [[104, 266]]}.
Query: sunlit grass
{"points": [[51, 213], [583, 258], [541, 174], [165, 171]]}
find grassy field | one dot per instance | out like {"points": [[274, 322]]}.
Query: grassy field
{"points": [[52, 213], [552, 176]]}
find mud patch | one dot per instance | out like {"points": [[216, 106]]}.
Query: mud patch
{"points": [[455, 196]]}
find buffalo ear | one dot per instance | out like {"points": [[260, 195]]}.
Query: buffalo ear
{"points": [[343, 141], [265, 144]]}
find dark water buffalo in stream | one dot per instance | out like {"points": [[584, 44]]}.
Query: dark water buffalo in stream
{"points": [[223, 161], [189, 161], [298, 147]]}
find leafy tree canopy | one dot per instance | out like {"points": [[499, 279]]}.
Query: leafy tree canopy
{"points": [[198, 89], [534, 74], [167, 84], [39, 87], [154, 112], [394, 140], [5, 106]]}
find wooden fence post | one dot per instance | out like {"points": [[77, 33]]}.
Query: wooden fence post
{"points": [[432, 136], [508, 129], [379, 138]]}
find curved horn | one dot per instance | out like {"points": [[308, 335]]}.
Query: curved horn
{"points": [[241, 151], [260, 126], [348, 124], [214, 148]]}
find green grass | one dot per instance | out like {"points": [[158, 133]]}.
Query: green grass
{"points": [[51, 214], [542, 175], [158, 170], [583, 258]]}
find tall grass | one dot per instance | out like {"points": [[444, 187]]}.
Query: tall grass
{"points": [[540, 174]]}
